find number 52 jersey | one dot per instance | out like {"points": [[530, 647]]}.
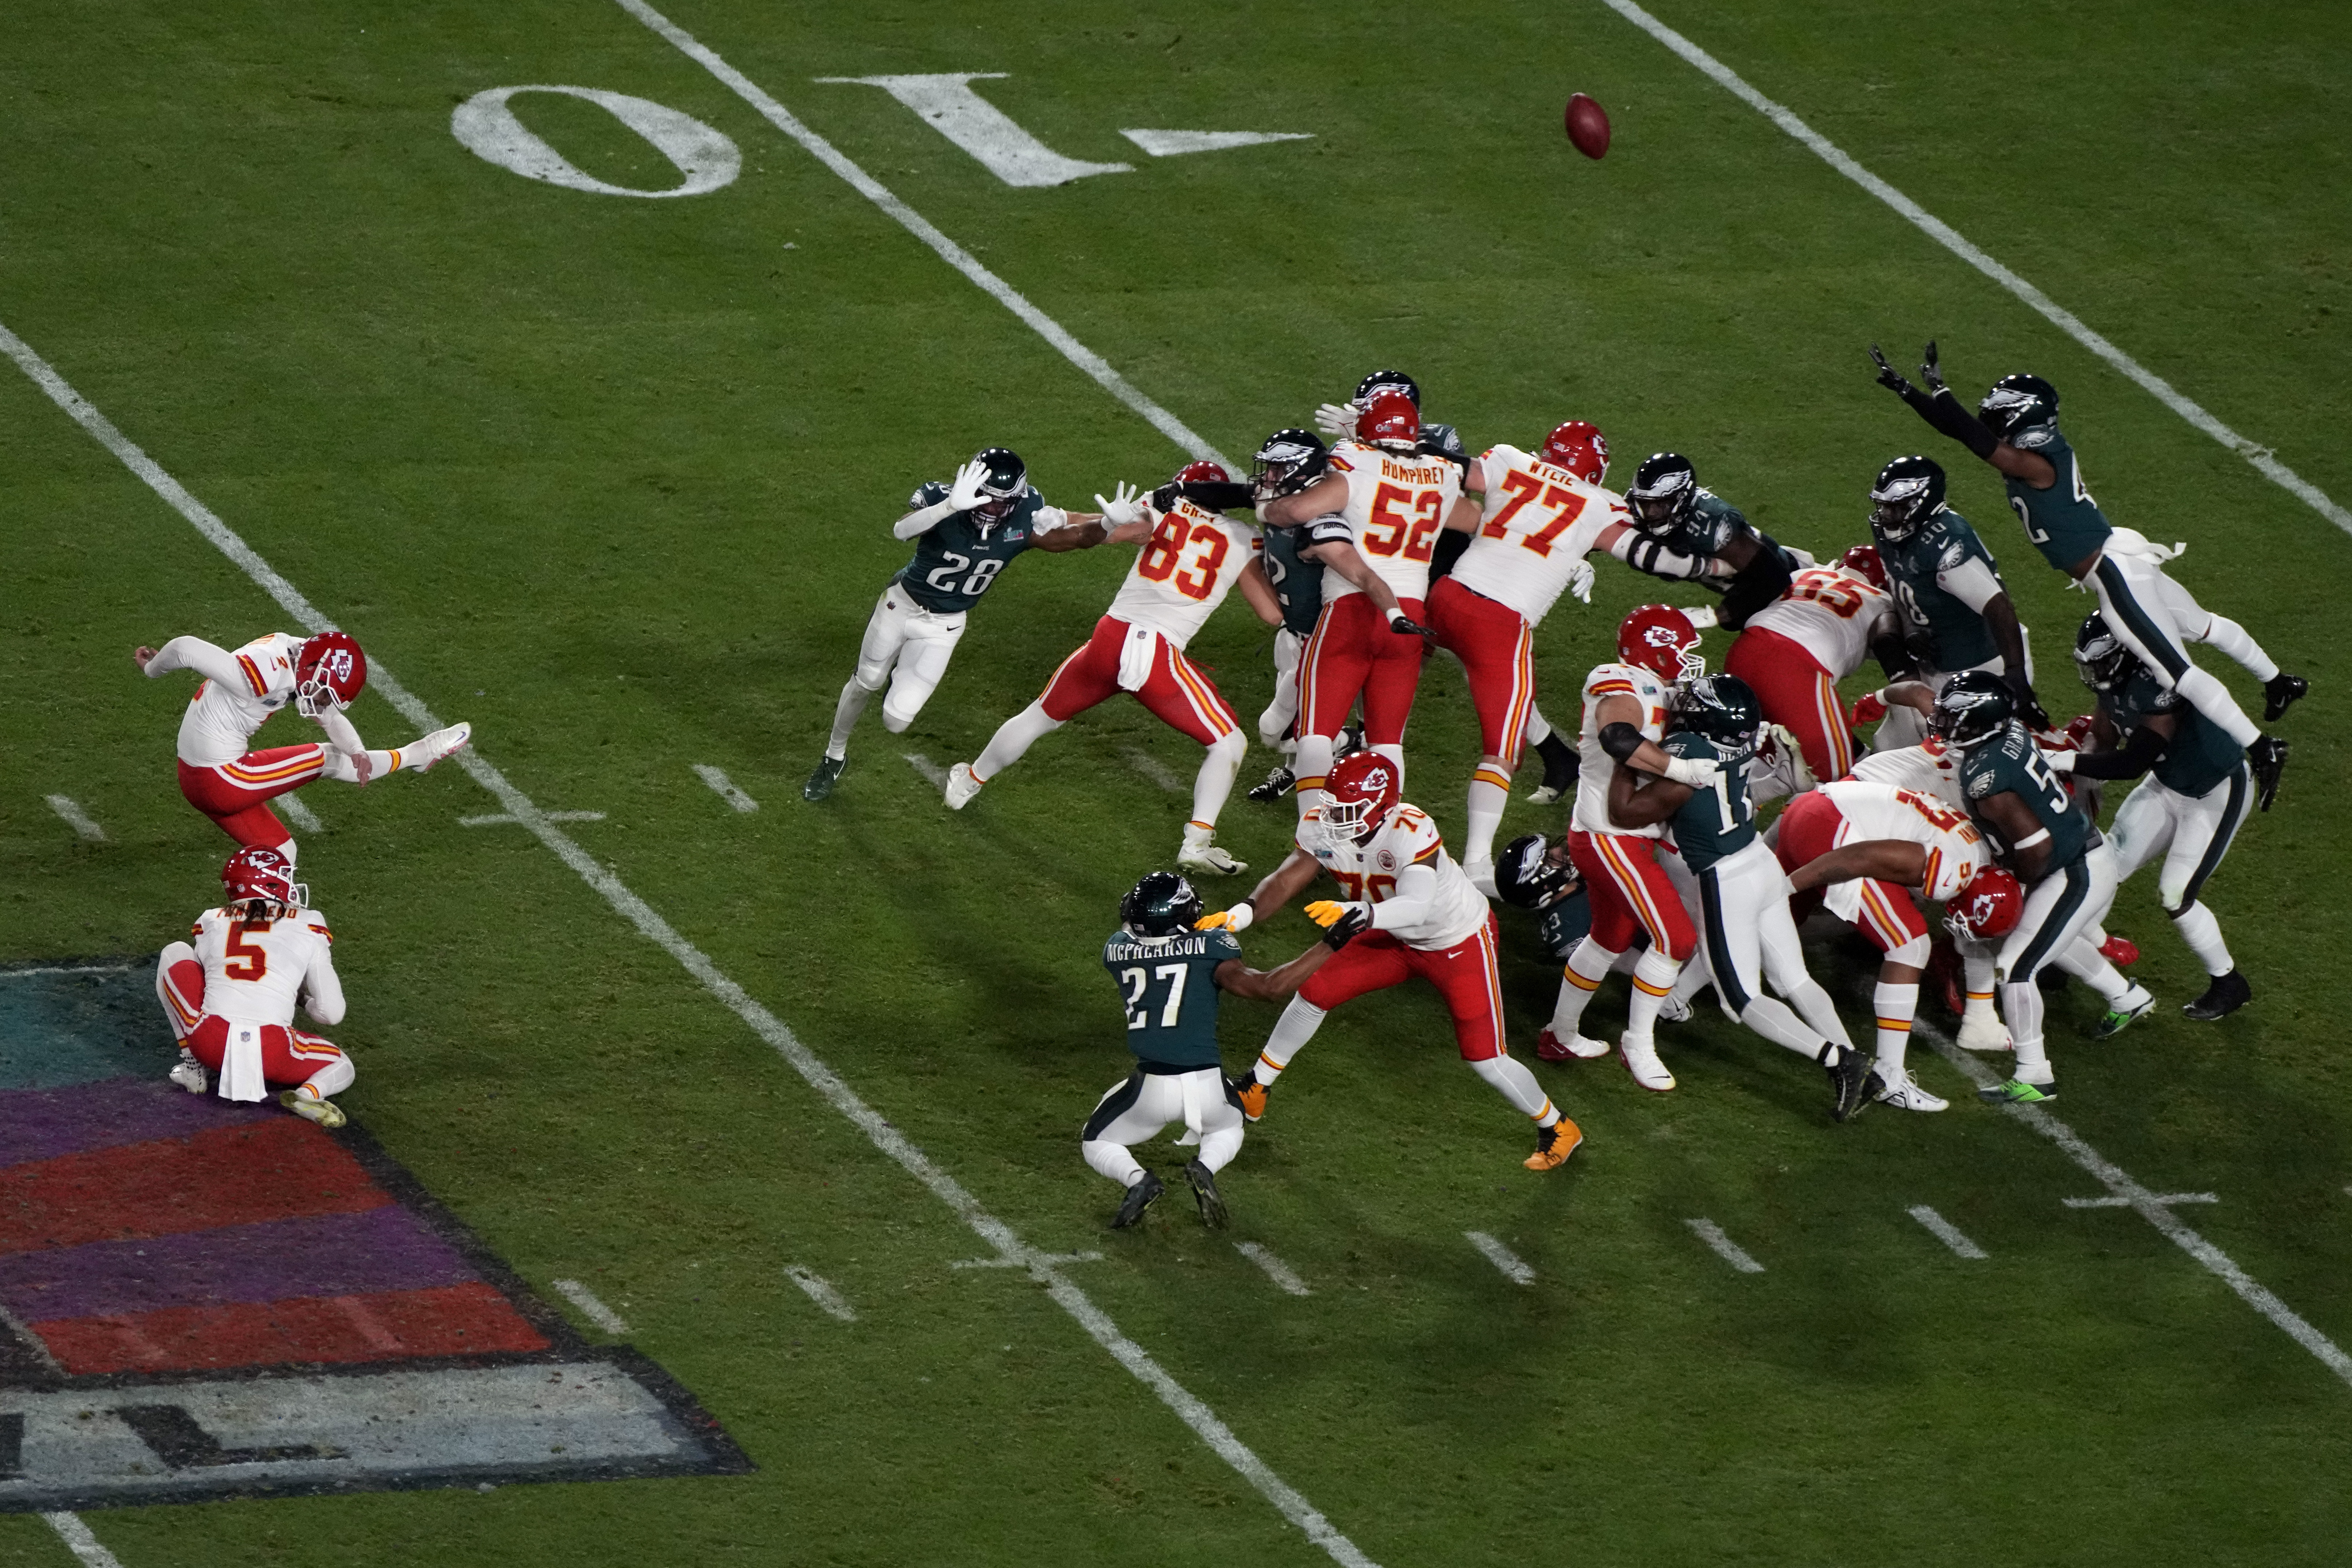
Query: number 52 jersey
{"points": [[1168, 984]]}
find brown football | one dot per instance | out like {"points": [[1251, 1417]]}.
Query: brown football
{"points": [[1588, 126]]}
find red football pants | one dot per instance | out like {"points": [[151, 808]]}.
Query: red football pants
{"points": [[1465, 975], [1797, 692], [1630, 891], [1809, 830], [232, 794], [1177, 691], [1353, 653], [1497, 648], [288, 1057]]}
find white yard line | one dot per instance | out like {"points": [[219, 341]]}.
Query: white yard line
{"points": [[1014, 1262], [2167, 1199], [1951, 239], [1098, 1324], [72, 969], [1730, 1251], [1945, 1231], [304, 820], [1281, 1273], [936, 775], [724, 787], [1514, 1268], [818, 1290], [2149, 1206], [594, 1311], [508, 819], [1153, 769], [80, 1541], [76, 818]]}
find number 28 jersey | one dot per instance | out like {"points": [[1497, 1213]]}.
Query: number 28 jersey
{"points": [[1395, 506], [1184, 570], [1828, 612], [1170, 986], [254, 969], [1539, 521], [956, 561]]}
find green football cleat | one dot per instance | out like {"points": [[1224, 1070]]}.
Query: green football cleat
{"points": [[2119, 1018], [2017, 1092], [313, 1108], [820, 783]]}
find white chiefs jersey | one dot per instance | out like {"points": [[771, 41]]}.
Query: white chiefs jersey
{"points": [[255, 969], [1955, 850], [1930, 768], [1607, 680], [1368, 872], [1184, 570], [1395, 506], [1828, 612], [1538, 523], [222, 717]]}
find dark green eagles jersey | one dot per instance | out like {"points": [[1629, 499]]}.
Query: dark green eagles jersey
{"points": [[1170, 989], [1921, 570], [1713, 524], [955, 561], [2199, 757], [2064, 522], [2011, 762], [1298, 584], [1717, 820], [1563, 926]]}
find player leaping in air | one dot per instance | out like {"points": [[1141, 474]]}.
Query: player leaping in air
{"points": [[2015, 429], [965, 533], [1192, 557], [320, 676]]}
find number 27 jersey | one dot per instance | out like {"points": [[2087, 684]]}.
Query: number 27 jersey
{"points": [[1539, 523], [1169, 985]]}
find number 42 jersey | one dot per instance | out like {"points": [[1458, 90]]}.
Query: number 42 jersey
{"points": [[1170, 986]]}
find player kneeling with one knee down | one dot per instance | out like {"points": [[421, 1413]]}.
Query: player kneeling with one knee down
{"points": [[230, 997], [1170, 975], [1425, 919]]}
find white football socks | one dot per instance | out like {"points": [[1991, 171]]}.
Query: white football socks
{"points": [[2203, 932], [1514, 1083], [1013, 739], [1214, 781], [1291, 1031], [1896, 1006]]}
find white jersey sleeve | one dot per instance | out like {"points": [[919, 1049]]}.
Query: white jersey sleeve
{"points": [[255, 969], [1955, 850], [1930, 768], [1368, 872], [1184, 570], [1538, 523], [221, 718], [1395, 506], [1828, 610], [1595, 766]]}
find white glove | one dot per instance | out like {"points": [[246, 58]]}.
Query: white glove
{"points": [[1121, 509], [1579, 582], [1696, 771], [2060, 762], [966, 492], [1337, 419], [1700, 616]]}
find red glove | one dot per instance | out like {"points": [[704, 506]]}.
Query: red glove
{"points": [[1869, 710]]}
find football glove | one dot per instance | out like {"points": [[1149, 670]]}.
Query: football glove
{"points": [[1928, 374], [1868, 708], [1347, 927], [2028, 707], [1579, 582], [1405, 627], [967, 492], [1121, 509], [1696, 771], [1337, 419], [1330, 911], [1235, 920]]}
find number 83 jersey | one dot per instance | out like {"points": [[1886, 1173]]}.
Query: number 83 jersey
{"points": [[1184, 570], [956, 561], [1170, 986]]}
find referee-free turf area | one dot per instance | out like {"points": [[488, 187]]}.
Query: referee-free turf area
{"points": [[611, 479]]}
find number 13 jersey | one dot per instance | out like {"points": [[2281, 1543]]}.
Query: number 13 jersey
{"points": [[1184, 570], [1539, 523], [1395, 506]]}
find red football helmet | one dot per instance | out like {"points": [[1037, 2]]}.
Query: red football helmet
{"points": [[329, 673], [1389, 419], [1579, 448], [1990, 906], [1203, 472], [1359, 792], [1661, 639], [1864, 559], [263, 874]]}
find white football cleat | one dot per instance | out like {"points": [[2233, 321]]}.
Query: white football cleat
{"points": [[189, 1074], [1642, 1060], [1904, 1093], [1208, 861], [962, 787], [430, 748], [1983, 1032], [1673, 1009], [1482, 876], [1542, 794], [1552, 1049]]}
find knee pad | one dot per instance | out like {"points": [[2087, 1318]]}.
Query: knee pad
{"points": [[894, 722], [1913, 952], [1232, 743]]}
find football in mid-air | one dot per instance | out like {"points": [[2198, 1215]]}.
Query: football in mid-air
{"points": [[1588, 125]]}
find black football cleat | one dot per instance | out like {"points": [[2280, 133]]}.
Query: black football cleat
{"points": [[1277, 783], [1139, 1196], [2282, 691], [1559, 760], [2227, 994], [1204, 1193], [820, 783], [1349, 739], [1852, 1080], [2267, 757]]}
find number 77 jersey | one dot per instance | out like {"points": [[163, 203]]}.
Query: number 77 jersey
{"points": [[1539, 524]]}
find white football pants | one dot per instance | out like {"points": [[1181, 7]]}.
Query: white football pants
{"points": [[907, 646], [1751, 939], [2155, 616], [1284, 710], [2192, 833], [1143, 1104]]}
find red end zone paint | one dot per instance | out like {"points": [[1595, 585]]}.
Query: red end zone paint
{"points": [[453, 1320]]}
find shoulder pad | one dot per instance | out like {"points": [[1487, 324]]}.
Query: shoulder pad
{"points": [[928, 494], [1980, 781], [1956, 551], [2014, 740], [1222, 945], [2034, 438]]}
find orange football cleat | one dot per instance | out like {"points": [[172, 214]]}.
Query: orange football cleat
{"points": [[1554, 1144]]}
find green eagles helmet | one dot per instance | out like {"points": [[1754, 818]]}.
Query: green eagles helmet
{"points": [[1162, 904], [1527, 876], [1909, 491], [1665, 489], [2104, 660], [2017, 403], [1290, 460], [1725, 710], [1974, 706], [1007, 482]]}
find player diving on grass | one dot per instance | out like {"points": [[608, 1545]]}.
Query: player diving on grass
{"points": [[321, 676], [1424, 919], [230, 997], [1192, 556], [1172, 977], [965, 532], [2015, 429]]}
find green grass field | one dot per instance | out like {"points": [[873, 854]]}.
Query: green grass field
{"points": [[612, 480]]}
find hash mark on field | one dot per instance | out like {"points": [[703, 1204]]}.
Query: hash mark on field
{"points": [[1514, 1268], [1945, 1231], [1152, 768], [930, 770], [1026, 1260], [80, 1541], [502, 818], [2166, 1198], [289, 805], [594, 1311], [724, 787], [826, 1298], [76, 818], [1278, 1272], [103, 969], [1709, 1232]]}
